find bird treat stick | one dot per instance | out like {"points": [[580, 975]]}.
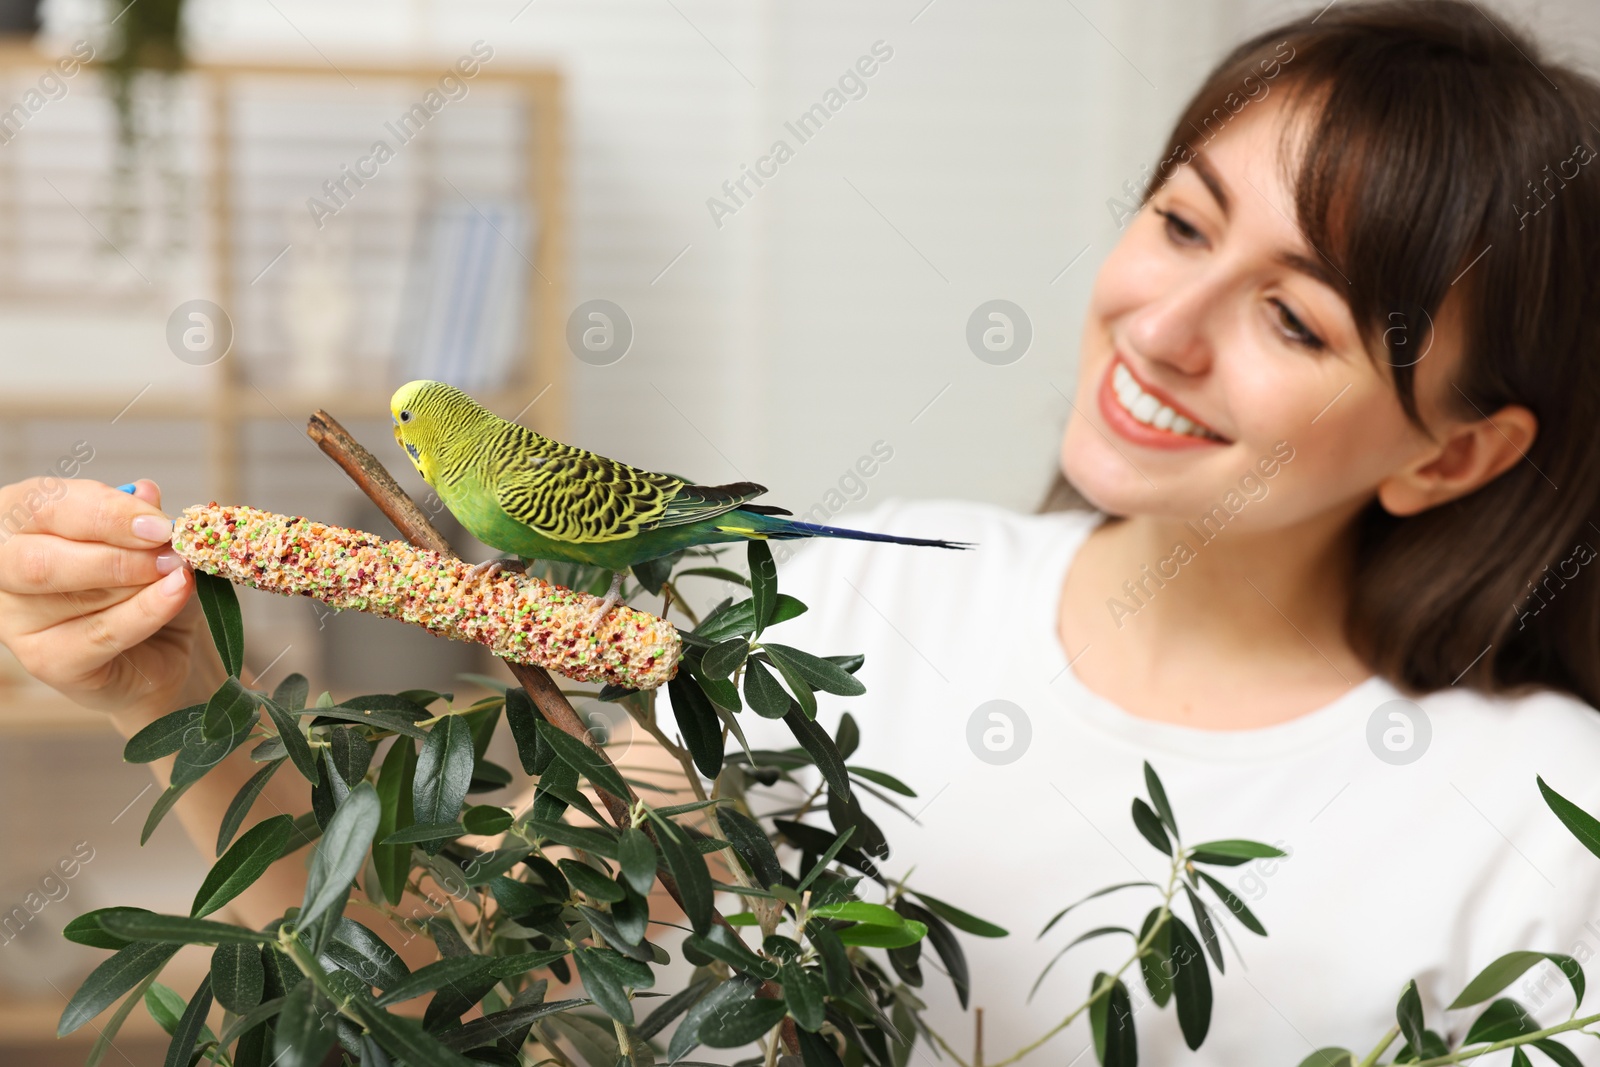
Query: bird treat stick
{"points": [[521, 618]]}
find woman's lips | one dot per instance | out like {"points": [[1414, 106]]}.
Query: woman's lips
{"points": [[1124, 424]]}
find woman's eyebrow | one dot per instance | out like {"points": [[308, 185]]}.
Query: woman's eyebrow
{"points": [[1218, 191]]}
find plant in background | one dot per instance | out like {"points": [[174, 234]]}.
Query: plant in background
{"points": [[146, 49]]}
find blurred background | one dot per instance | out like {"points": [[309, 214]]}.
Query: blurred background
{"points": [[725, 238]]}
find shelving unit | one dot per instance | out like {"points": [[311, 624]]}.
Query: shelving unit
{"points": [[242, 161]]}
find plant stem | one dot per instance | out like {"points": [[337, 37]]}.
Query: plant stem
{"points": [[1510, 1042], [1101, 988], [1388, 1039]]}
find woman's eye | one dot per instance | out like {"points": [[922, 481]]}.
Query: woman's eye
{"points": [[1178, 228], [1296, 331]]}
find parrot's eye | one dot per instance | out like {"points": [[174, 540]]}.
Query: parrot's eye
{"points": [[405, 416]]}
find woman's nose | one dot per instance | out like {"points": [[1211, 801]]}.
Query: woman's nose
{"points": [[1174, 329]]}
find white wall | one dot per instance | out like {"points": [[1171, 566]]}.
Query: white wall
{"points": [[826, 313]]}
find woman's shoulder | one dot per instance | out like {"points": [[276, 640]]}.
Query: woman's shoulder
{"points": [[1530, 731]]}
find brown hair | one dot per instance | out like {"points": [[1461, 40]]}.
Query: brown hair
{"points": [[1438, 135]]}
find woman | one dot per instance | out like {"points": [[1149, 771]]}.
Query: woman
{"points": [[1332, 431]]}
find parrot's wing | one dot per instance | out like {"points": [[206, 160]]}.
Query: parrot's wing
{"points": [[569, 494], [691, 503]]}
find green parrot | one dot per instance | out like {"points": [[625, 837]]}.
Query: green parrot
{"points": [[524, 494]]}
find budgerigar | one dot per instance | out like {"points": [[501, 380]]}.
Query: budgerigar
{"points": [[535, 498]]}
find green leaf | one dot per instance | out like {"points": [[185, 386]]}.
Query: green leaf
{"points": [[818, 673], [451, 970], [1229, 900], [1408, 1014], [165, 1006], [221, 607], [523, 720], [608, 975], [304, 1031], [1582, 825], [720, 573], [287, 723], [247, 860], [583, 759], [826, 858], [406, 1038], [868, 935], [501, 1024], [888, 781], [1191, 983], [162, 737], [107, 1036], [697, 723], [485, 820], [799, 689], [394, 721], [763, 586], [292, 692], [339, 855], [425, 831], [763, 693], [1232, 852], [1202, 922], [177, 929], [960, 919], [860, 911], [86, 929], [191, 1026], [242, 801], [1158, 797], [601, 841], [722, 998], [637, 855], [688, 870], [393, 862], [803, 995], [112, 978], [1156, 962], [591, 882], [820, 747], [237, 977], [741, 1023], [1088, 935], [731, 618], [673, 1006], [443, 773], [1508, 968], [158, 811], [1149, 824], [360, 951], [232, 708], [752, 845], [1330, 1057], [1500, 1020], [1111, 1020], [722, 659], [1561, 1054]]}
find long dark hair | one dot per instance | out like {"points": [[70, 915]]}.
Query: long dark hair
{"points": [[1446, 150]]}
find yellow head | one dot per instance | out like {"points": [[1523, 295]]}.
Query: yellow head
{"points": [[428, 415]]}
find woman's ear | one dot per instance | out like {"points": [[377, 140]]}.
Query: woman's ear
{"points": [[1470, 455]]}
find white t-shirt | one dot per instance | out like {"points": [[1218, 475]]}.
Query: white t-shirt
{"points": [[1426, 870]]}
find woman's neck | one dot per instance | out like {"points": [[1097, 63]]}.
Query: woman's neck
{"points": [[1218, 627]]}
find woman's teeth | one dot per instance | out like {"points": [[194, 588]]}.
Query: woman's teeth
{"points": [[1152, 412]]}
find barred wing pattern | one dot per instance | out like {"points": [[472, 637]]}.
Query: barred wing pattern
{"points": [[573, 495]]}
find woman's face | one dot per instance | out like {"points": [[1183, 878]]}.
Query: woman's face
{"points": [[1220, 366]]}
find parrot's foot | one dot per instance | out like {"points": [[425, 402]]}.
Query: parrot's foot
{"points": [[491, 567], [612, 598]]}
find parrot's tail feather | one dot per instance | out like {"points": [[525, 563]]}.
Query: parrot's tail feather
{"points": [[792, 530]]}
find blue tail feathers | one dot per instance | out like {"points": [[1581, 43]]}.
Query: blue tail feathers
{"points": [[782, 529]]}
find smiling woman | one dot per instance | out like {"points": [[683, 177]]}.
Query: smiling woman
{"points": [[1345, 274]]}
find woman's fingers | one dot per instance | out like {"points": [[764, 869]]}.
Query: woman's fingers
{"points": [[37, 564], [77, 650], [83, 510]]}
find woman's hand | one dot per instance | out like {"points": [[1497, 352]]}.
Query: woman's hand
{"points": [[93, 600]]}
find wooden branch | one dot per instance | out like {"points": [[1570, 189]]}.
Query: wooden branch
{"points": [[375, 480]]}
